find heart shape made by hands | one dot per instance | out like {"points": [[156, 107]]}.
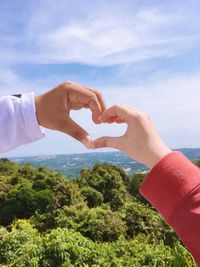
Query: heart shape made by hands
{"points": [[83, 118]]}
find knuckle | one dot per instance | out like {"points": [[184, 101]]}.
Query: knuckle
{"points": [[122, 106], [105, 142], [75, 134], [78, 135], [138, 115], [67, 83], [95, 91], [117, 106], [93, 97], [146, 115], [99, 93], [141, 115]]}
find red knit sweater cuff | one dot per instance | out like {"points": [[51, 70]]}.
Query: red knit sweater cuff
{"points": [[170, 182]]}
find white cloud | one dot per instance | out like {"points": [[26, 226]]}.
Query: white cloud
{"points": [[9, 81], [103, 36], [12, 83]]}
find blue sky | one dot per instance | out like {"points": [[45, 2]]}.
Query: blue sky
{"points": [[142, 53]]}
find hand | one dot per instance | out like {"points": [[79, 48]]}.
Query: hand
{"points": [[140, 141], [53, 108]]}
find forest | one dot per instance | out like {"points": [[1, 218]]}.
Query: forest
{"points": [[97, 219]]}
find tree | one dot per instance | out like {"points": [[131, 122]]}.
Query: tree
{"points": [[93, 197], [97, 223], [95, 220], [27, 172], [22, 246], [133, 186], [141, 219], [108, 181], [66, 193], [22, 202], [8, 168]]}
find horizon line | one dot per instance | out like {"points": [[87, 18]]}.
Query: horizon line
{"points": [[80, 153]]}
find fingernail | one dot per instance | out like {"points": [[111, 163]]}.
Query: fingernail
{"points": [[87, 141]]}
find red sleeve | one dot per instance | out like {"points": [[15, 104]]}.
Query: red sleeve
{"points": [[173, 188]]}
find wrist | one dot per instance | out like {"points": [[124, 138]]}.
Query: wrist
{"points": [[156, 155]]}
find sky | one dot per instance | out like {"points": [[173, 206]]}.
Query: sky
{"points": [[141, 53]]}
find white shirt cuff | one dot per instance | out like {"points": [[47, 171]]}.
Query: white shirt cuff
{"points": [[35, 131]]}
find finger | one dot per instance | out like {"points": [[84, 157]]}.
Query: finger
{"points": [[80, 95], [95, 107], [77, 106], [115, 119], [89, 99], [86, 97], [123, 112], [119, 120], [80, 106], [100, 98], [71, 128], [106, 141], [87, 141], [96, 114]]}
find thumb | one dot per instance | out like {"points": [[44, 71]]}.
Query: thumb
{"points": [[106, 141], [77, 132]]}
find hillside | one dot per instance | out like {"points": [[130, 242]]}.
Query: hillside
{"points": [[72, 164]]}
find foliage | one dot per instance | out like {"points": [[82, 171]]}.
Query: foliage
{"points": [[108, 181], [97, 223], [23, 201], [93, 197], [7, 167], [97, 219], [22, 246]]}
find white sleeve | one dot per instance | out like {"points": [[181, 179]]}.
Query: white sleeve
{"points": [[18, 122]]}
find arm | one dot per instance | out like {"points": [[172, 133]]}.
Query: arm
{"points": [[173, 188], [21, 118], [18, 121], [172, 185]]}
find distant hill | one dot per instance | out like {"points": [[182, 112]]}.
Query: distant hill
{"points": [[71, 164]]}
